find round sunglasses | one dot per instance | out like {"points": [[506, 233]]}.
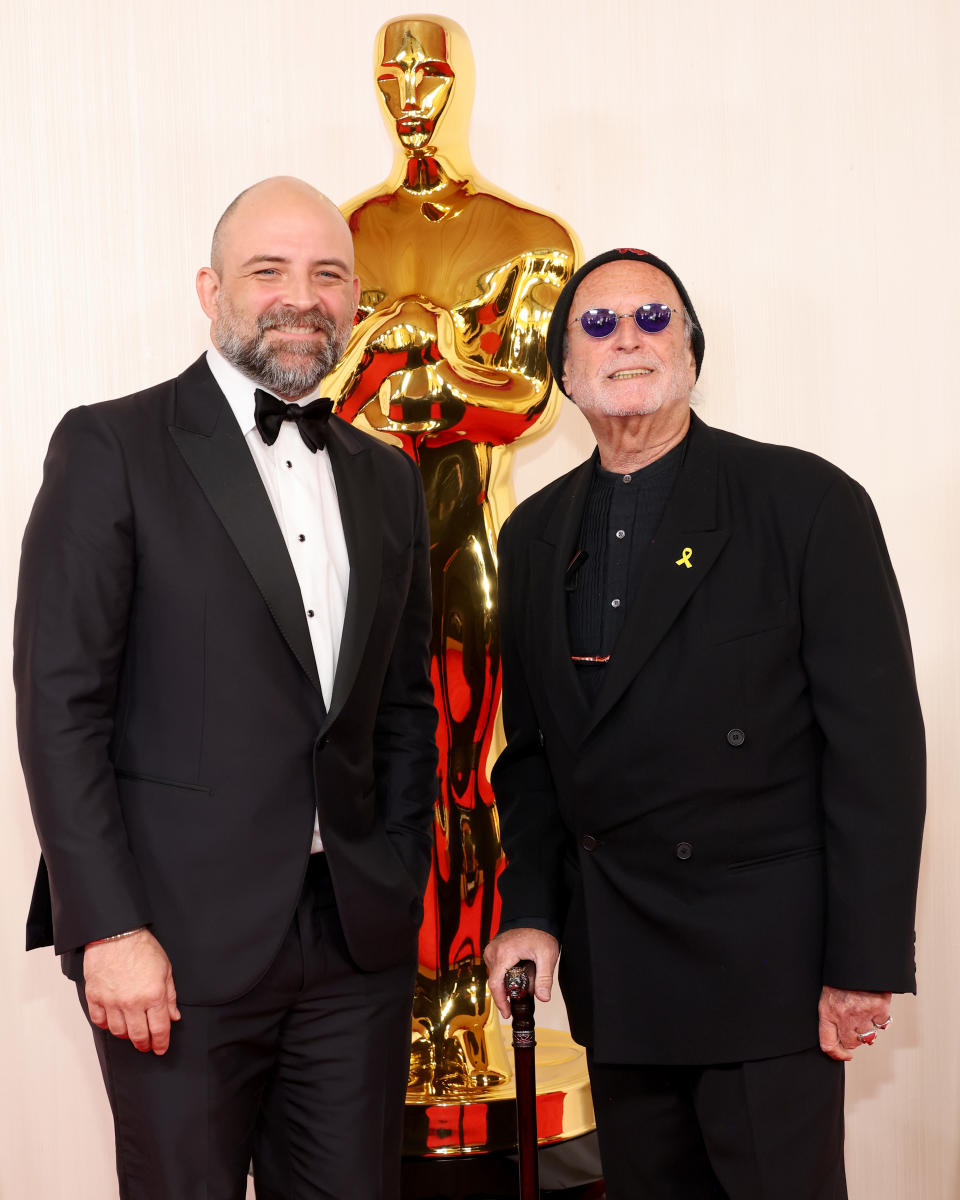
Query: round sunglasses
{"points": [[601, 322]]}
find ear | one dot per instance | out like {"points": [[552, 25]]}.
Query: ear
{"points": [[564, 379], [356, 293], [208, 290], [692, 366]]}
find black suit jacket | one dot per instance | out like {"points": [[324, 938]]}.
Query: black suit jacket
{"points": [[173, 733], [737, 820]]}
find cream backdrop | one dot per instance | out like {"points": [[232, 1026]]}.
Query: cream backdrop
{"points": [[795, 162]]}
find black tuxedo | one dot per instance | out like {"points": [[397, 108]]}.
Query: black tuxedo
{"points": [[736, 821], [173, 733]]}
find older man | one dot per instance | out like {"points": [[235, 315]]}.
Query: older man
{"points": [[226, 725], [712, 790]]}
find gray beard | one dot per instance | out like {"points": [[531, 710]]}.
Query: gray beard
{"points": [[260, 361]]}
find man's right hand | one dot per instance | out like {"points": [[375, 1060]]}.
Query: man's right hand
{"points": [[511, 947], [129, 989]]}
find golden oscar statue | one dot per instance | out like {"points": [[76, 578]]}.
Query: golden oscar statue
{"points": [[448, 360]]}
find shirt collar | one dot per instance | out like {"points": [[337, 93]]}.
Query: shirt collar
{"points": [[643, 475], [239, 389]]}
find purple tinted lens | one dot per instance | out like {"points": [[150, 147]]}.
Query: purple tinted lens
{"points": [[653, 317], [599, 322]]}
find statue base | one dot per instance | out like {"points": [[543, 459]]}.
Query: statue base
{"points": [[483, 1119]]}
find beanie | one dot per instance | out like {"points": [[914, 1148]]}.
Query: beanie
{"points": [[561, 312]]}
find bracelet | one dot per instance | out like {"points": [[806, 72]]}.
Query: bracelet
{"points": [[115, 937]]}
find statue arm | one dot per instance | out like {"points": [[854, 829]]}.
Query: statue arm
{"points": [[477, 370]]}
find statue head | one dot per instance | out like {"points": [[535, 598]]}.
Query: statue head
{"points": [[425, 74]]}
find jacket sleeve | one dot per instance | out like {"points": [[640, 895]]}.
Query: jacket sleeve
{"points": [[532, 832], [77, 576], [405, 750], [856, 653]]}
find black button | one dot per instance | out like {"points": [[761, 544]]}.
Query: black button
{"points": [[684, 851], [301, 537], [310, 612], [322, 741], [588, 842], [289, 463], [736, 737]]}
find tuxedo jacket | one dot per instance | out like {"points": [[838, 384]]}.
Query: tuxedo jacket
{"points": [[736, 820], [173, 733]]}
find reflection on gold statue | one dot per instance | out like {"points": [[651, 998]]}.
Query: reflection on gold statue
{"points": [[448, 359]]}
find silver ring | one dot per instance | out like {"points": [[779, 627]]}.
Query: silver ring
{"points": [[867, 1039], [882, 1024]]}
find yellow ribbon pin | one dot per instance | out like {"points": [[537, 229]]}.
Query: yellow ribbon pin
{"points": [[685, 557]]}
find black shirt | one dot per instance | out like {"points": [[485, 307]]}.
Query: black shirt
{"points": [[620, 519]]}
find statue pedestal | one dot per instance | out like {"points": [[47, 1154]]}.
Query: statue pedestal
{"points": [[483, 1120], [492, 1177]]}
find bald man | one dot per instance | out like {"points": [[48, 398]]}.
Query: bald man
{"points": [[227, 731]]}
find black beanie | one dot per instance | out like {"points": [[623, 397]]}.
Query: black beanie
{"points": [[561, 313]]}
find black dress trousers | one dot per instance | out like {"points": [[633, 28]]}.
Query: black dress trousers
{"points": [[765, 1130], [304, 1075]]}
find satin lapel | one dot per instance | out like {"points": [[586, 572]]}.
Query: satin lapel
{"points": [[550, 559], [687, 545], [207, 435], [361, 512]]}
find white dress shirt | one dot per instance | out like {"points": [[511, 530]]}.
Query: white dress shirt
{"points": [[303, 494]]}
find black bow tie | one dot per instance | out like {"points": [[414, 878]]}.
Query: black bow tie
{"points": [[270, 413]]}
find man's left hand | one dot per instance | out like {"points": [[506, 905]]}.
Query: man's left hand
{"points": [[845, 1015]]}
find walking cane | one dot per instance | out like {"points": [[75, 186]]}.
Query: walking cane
{"points": [[519, 981]]}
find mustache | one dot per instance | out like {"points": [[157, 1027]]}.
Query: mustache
{"points": [[285, 317]]}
